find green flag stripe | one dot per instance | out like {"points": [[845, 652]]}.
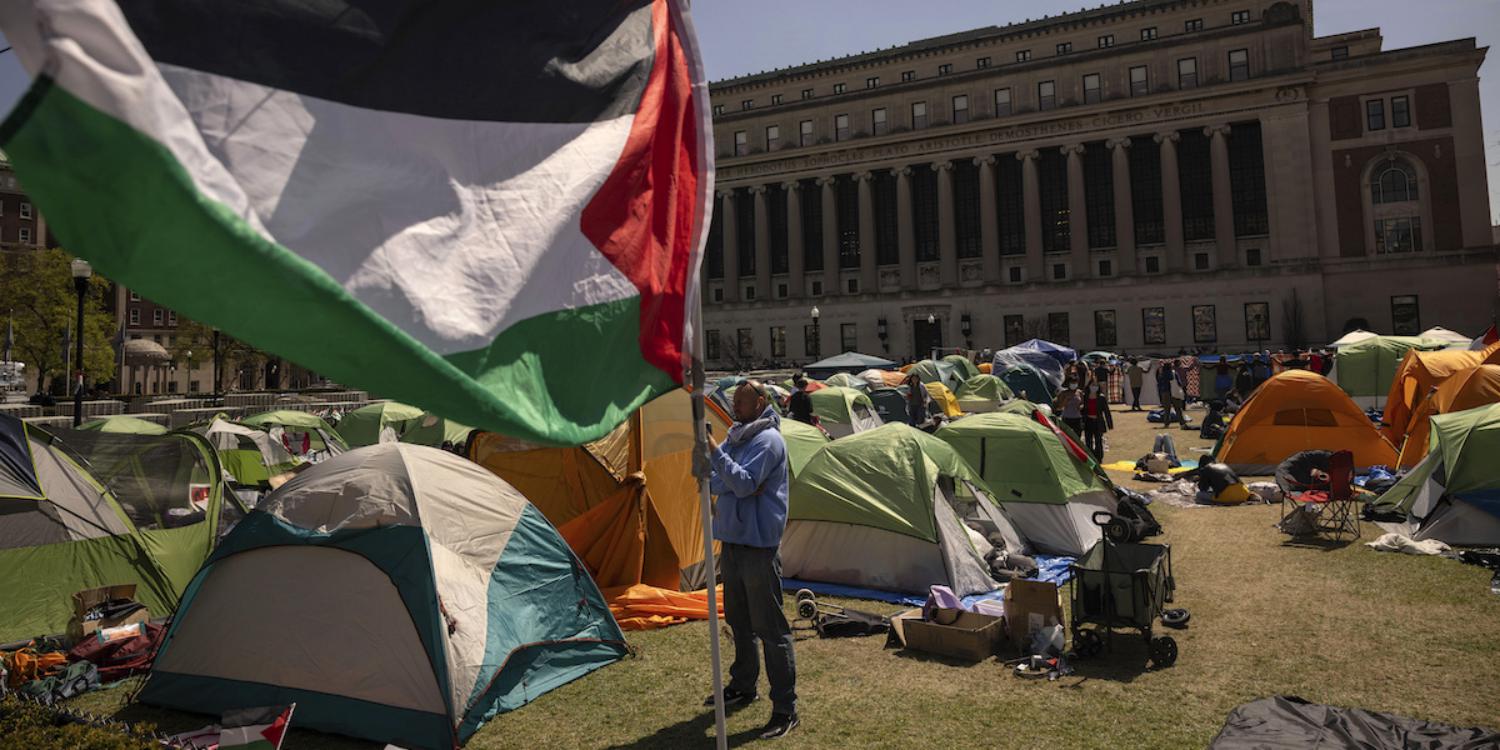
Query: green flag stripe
{"points": [[119, 199]]}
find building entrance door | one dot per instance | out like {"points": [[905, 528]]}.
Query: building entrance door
{"points": [[926, 337]]}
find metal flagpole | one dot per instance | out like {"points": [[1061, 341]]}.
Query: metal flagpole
{"points": [[701, 470]]}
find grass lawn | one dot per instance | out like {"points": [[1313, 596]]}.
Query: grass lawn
{"points": [[1346, 626]]}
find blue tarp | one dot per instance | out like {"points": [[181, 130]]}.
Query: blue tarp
{"points": [[1049, 568]]}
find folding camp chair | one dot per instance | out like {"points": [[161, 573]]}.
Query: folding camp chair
{"points": [[1329, 514]]}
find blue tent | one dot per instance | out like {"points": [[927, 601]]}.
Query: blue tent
{"points": [[1027, 382], [1045, 357], [1061, 353], [850, 362]]}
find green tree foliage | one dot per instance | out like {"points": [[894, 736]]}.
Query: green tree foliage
{"points": [[36, 288], [195, 345]]}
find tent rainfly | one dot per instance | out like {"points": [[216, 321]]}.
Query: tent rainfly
{"points": [[983, 393], [377, 423], [1295, 411], [299, 428], [1453, 495], [1467, 389], [802, 441], [850, 362], [844, 411]]}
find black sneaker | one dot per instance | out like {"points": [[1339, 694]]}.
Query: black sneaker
{"points": [[779, 726], [732, 698]]}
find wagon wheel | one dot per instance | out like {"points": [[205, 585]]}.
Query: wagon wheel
{"points": [[1117, 531], [1163, 651], [1087, 643]]}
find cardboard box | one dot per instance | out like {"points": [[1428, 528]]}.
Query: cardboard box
{"points": [[85, 600], [970, 637], [1030, 605]]}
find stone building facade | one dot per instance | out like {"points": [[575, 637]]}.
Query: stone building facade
{"points": [[1142, 177]]}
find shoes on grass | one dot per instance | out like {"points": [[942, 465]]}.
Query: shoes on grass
{"points": [[779, 726], [732, 698]]}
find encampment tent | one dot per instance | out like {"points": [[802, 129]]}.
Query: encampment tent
{"points": [[1048, 359], [124, 424], [377, 423], [1466, 389], [250, 455], [882, 378], [934, 371], [802, 441], [434, 431], [850, 362], [1048, 493], [1364, 368], [64, 531], [943, 400], [845, 380], [1446, 337], [1353, 337], [1453, 494], [396, 593], [1294, 411], [963, 364], [886, 509], [294, 429], [1027, 382], [844, 411], [626, 503], [1418, 374], [890, 403], [982, 393]]}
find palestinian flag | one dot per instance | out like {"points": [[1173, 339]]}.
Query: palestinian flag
{"points": [[491, 209], [254, 728]]}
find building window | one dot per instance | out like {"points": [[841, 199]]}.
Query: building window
{"points": [[966, 209], [1059, 272], [924, 203], [878, 122], [744, 343], [1108, 40], [135, 316], [1187, 73], [1257, 321], [773, 136], [718, 109], [1148, 33], [1015, 274], [1153, 325], [960, 109], [135, 296], [807, 93], [1023, 55], [1403, 235], [846, 194], [817, 284], [1145, 190], [1046, 95], [1247, 181], [1105, 332], [945, 69], [805, 133], [1200, 261], [1002, 102], [744, 219], [872, 82], [1057, 328], [747, 104], [1396, 183], [810, 342], [25, 210], [1406, 317], [1106, 268], [775, 99], [907, 76], [1010, 204], [1064, 48], [778, 342], [811, 201], [1153, 264], [776, 223], [1195, 175], [839, 88], [782, 290], [711, 344], [1400, 112], [157, 316], [172, 318], [25, 235], [918, 115], [1240, 16], [841, 127], [887, 229], [1195, 24], [741, 143], [848, 337], [1052, 179], [851, 285], [1375, 114], [1340, 53], [982, 63], [1091, 89], [1252, 256], [1015, 332], [1140, 81], [1239, 65], [718, 295], [1099, 195], [1205, 324]]}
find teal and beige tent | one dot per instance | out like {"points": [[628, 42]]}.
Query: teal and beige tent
{"points": [[62, 530], [802, 441], [1453, 495], [1050, 494], [395, 593], [983, 393], [377, 423], [889, 509], [124, 424], [843, 411], [300, 428]]}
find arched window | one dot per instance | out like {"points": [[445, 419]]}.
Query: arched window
{"points": [[1394, 183]]}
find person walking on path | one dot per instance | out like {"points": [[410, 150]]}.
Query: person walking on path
{"points": [[750, 479], [1136, 375], [1069, 405], [1096, 419], [1165, 375]]}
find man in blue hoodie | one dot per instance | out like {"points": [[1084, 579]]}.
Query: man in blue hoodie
{"points": [[750, 480]]}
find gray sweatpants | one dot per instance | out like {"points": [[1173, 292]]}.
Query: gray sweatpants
{"points": [[752, 607]]}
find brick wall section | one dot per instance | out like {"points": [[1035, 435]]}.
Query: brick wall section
{"points": [[1344, 118], [1436, 154], [1433, 110], [11, 221]]}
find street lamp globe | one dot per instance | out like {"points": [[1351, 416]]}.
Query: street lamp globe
{"points": [[931, 319], [815, 312], [82, 269]]}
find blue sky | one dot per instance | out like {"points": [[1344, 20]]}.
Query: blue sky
{"points": [[748, 37]]}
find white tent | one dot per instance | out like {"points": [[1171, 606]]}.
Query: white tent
{"points": [[1353, 337], [1442, 335]]}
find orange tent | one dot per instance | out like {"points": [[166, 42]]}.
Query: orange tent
{"points": [[986, 368], [628, 503], [1467, 389], [1295, 411], [1420, 372]]}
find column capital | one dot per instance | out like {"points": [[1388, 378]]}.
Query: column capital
{"points": [[985, 160], [901, 171], [724, 193], [864, 176], [757, 189], [1115, 143], [825, 180], [1071, 148], [942, 165], [1218, 129], [1030, 155], [790, 185], [1170, 135]]}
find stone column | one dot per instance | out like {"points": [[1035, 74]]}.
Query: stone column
{"points": [[830, 236], [762, 244], [1119, 149], [906, 228], [1078, 212], [1032, 204], [1223, 195], [1171, 199], [989, 218], [947, 240], [731, 248], [869, 276], [796, 258]]}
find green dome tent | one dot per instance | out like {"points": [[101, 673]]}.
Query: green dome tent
{"points": [[933, 371], [802, 441], [124, 424], [983, 393], [395, 593], [434, 431], [320, 436], [965, 368], [845, 380], [367, 425], [890, 403], [843, 411], [250, 455], [1048, 493], [1365, 369], [1453, 495], [886, 509]]}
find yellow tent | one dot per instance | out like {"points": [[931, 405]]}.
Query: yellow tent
{"points": [[1295, 411], [628, 503], [1467, 389], [1420, 372], [945, 399]]}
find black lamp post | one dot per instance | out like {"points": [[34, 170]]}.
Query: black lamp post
{"points": [[966, 327], [82, 271], [817, 334]]}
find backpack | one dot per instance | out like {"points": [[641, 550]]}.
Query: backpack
{"points": [[1138, 518]]}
